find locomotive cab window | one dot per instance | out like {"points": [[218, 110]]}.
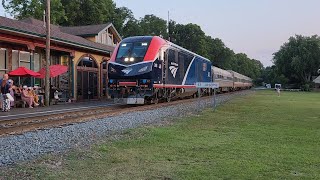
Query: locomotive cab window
{"points": [[132, 52]]}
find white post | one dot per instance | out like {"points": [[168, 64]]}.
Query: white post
{"points": [[214, 99], [199, 103]]}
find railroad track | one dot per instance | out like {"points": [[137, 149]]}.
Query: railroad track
{"points": [[21, 125]]}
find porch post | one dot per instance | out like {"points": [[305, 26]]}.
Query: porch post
{"points": [[32, 65], [9, 50], [71, 77]]}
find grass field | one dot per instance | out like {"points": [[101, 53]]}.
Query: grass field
{"points": [[260, 136]]}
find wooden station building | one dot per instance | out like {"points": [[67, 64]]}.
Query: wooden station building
{"points": [[84, 49]]}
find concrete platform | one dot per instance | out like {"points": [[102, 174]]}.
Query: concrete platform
{"points": [[16, 113]]}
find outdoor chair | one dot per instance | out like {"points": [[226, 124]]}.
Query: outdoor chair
{"points": [[19, 102]]}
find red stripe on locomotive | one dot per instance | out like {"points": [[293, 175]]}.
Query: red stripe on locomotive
{"points": [[114, 54], [154, 47]]}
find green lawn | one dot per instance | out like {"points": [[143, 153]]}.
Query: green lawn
{"points": [[260, 136]]}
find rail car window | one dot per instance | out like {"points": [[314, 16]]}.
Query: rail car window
{"points": [[132, 52]]}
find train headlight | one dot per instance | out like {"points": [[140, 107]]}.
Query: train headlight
{"points": [[143, 69], [126, 59], [131, 59]]}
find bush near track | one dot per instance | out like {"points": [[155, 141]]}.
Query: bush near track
{"points": [[260, 136]]}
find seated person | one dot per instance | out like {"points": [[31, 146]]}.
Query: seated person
{"points": [[18, 90], [25, 96], [32, 92]]}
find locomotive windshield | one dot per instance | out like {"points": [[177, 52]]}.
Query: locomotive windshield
{"points": [[132, 52]]}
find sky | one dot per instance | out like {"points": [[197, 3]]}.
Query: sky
{"points": [[255, 27]]}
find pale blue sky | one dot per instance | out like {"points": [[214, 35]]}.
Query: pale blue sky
{"points": [[255, 27]]}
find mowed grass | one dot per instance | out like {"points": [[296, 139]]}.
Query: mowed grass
{"points": [[260, 136]]}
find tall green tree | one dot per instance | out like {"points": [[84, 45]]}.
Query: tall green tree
{"points": [[88, 12], [132, 28], [121, 18], [153, 26], [21, 9], [271, 76], [191, 37], [71, 12], [299, 59]]}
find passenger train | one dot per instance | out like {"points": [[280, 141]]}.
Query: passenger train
{"points": [[146, 69]]}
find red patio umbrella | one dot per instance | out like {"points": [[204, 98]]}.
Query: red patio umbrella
{"points": [[23, 72], [55, 70]]}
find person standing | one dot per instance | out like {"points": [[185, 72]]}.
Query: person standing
{"points": [[4, 89], [278, 91], [11, 90]]}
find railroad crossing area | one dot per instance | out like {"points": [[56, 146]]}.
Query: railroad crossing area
{"points": [[18, 113]]}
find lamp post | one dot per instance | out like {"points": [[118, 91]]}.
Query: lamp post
{"points": [[47, 77]]}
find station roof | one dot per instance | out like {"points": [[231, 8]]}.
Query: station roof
{"points": [[34, 27], [85, 30]]}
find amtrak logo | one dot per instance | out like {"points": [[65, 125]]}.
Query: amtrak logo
{"points": [[127, 70], [174, 68]]}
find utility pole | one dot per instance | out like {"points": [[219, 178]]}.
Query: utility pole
{"points": [[47, 78]]}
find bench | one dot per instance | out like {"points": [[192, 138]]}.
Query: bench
{"points": [[20, 103]]}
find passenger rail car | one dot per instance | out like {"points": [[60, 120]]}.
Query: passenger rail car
{"points": [[147, 69], [224, 78], [240, 81]]}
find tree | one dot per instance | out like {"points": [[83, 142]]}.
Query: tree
{"points": [[220, 55], [191, 37], [270, 75], [132, 28], [21, 9], [88, 12], [71, 12], [299, 59], [121, 18], [153, 26]]}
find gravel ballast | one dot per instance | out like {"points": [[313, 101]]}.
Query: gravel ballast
{"points": [[31, 145]]}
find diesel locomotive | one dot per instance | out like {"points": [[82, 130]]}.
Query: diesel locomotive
{"points": [[146, 69]]}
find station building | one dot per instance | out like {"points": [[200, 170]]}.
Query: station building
{"points": [[84, 49], [316, 81]]}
